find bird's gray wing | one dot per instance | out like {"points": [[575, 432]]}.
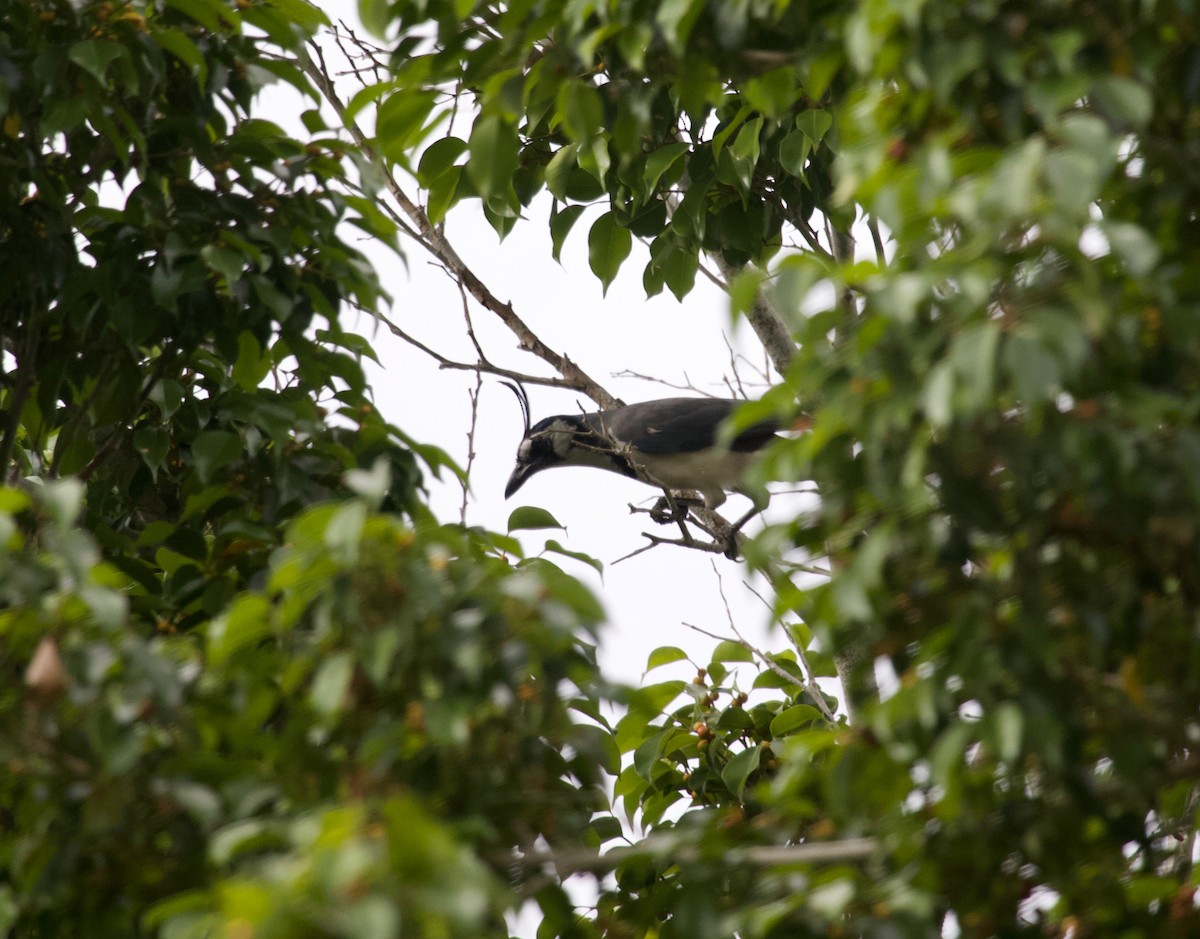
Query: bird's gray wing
{"points": [[680, 425]]}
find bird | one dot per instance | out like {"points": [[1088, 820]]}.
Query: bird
{"points": [[671, 443]]}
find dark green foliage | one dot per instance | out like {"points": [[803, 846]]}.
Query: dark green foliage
{"points": [[1004, 418], [255, 689], [250, 680]]}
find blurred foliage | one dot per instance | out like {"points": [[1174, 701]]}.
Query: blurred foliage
{"points": [[255, 689], [1004, 399]]}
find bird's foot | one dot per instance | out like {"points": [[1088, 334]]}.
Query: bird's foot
{"points": [[671, 509], [730, 540]]}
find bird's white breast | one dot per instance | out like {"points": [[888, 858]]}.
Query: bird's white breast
{"points": [[712, 471]]}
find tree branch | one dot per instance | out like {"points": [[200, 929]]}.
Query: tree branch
{"points": [[767, 324], [434, 241]]}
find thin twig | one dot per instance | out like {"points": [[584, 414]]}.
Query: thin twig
{"points": [[485, 366], [770, 663], [810, 680], [434, 241], [685, 386], [466, 489], [655, 541], [880, 253]]}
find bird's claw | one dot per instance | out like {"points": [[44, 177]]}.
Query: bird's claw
{"points": [[669, 510], [666, 512]]}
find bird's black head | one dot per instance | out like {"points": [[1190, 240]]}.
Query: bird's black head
{"points": [[547, 443]]}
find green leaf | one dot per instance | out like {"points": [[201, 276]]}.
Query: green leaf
{"points": [[64, 116], [246, 622], [402, 122], [444, 194], [772, 679], [214, 15], [1008, 727], [530, 517], [814, 124], [1133, 245], [561, 222], [729, 650], [494, 151], [371, 484], [375, 16], [328, 694], [212, 451], [647, 755], [559, 169], [608, 246], [606, 828], [343, 534], [937, 396], [947, 758], [793, 152], [62, 499], [439, 157], [581, 110], [738, 770], [1073, 177], [974, 357], [95, 56], [369, 94], [721, 137], [676, 19], [251, 365], [152, 441], [793, 719], [744, 151], [773, 93], [178, 905], [13, 500], [1126, 98], [595, 563], [665, 655], [1032, 367], [830, 899], [653, 698], [307, 15], [242, 837], [660, 162]]}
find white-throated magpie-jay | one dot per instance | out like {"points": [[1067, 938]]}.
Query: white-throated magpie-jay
{"points": [[672, 443]]}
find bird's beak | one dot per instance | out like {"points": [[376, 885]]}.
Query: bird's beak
{"points": [[520, 473]]}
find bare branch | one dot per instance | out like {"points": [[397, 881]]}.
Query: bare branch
{"points": [[877, 238], [767, 324], [811, 685], [483, 366], [655, 540], [466, 489], [810, 678], [433, 240], [686, 385]]}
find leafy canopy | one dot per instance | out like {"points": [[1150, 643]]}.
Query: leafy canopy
{"points": [[266, 693]]}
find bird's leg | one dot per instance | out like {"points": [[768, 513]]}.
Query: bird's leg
{"points": [[731, 539], [671, 508]]}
